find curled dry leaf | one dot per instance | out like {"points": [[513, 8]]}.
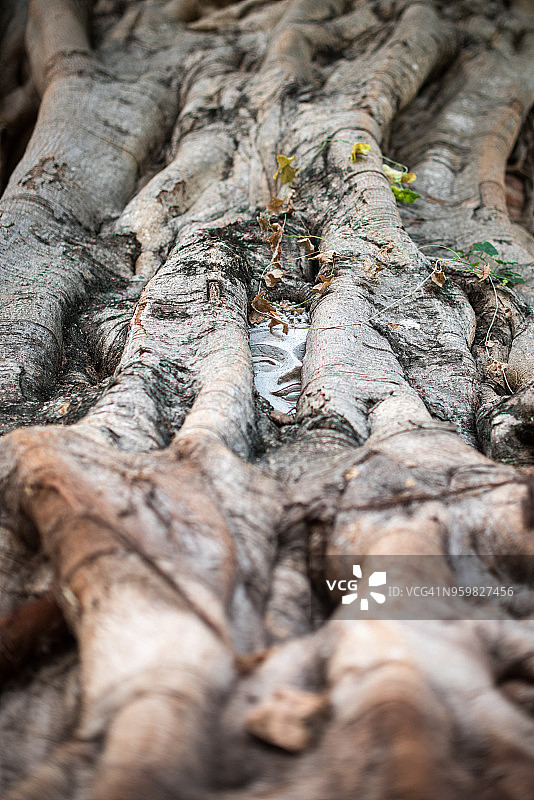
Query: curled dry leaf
{"points": [[496, 368], [438, 277], [262, 305], [248, 662], [325, 283], [276, 236], [483, 271], [273, 277], [277, 321], [278, 206], [307, 245], [275, 242], [327, 258], [264, 223], [382, 257], [499, 371], [255, 317]]}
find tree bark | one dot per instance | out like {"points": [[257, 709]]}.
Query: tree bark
{"points": [[163, 632]]}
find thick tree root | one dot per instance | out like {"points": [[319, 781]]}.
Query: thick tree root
{"points": [[133, 580]]}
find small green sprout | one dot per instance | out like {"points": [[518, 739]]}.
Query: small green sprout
{"points": [[285, 172], [359, 149], [404, 195], [398, 179]]}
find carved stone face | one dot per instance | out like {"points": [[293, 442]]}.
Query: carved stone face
{"points": [[277, 360]]}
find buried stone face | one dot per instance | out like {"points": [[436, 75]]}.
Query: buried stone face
{"points": [[277, 360]]}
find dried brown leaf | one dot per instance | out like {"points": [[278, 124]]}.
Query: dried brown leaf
{"points": [[275, 205], [482, 272], [307, 245], [279, 207], [502, 373], [277, 255], [276, 236], [327, 258], [438, 277], [384, 252], [496, 368], [255, 317], [325, 283], [387, 248], [264, 224], [261, 304], [277, 321], [273, 277]]}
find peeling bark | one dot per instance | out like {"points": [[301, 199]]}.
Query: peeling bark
{"points": [[158, 514]]}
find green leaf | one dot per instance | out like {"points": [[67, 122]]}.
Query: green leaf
{"points": [[285, 172], [393, 175], [359, 149], [485, 247], [508, 278], [404, 195]]}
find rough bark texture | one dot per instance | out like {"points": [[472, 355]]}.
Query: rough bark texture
{"points": [[157, 514]]}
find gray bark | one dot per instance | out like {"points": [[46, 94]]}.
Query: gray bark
{"points": [[158, 513]]}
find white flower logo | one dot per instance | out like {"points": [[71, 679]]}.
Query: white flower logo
{"points": [[376, 579]]}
